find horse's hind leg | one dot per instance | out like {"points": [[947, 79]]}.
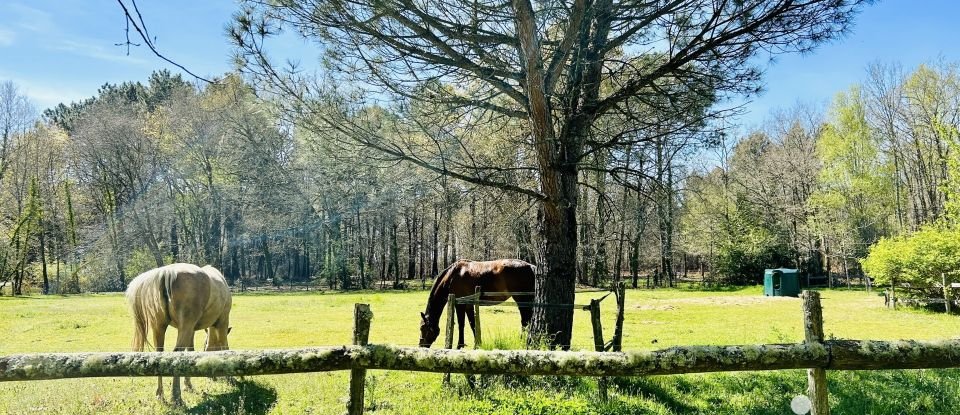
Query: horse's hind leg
{"points": [[526, 312], [159, 335], [184, 343], [186, 379]]}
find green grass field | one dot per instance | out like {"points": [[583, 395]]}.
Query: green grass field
{"points": [[654, 319]]}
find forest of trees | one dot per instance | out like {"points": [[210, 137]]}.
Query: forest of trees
{"points": [[142, 175], [596, 140]]}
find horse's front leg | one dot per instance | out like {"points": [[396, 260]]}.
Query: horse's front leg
{"points": [[461, 310], [473, 326]]}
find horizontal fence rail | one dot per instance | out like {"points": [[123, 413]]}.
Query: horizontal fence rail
{"points": [[832, 354], [815, 354]]}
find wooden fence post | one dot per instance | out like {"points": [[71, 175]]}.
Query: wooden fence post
{"points": [[476, 320], [598, 343], [813, 333], [448, 342], [361, 334]]}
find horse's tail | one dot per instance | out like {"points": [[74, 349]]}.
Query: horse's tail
{"points": [[147, 296], [139, 318]]}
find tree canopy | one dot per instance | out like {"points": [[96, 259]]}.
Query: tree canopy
{"points": [[564, 72]]}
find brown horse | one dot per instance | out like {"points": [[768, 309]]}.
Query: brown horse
{"points": [[184, 296], [462, 277]]}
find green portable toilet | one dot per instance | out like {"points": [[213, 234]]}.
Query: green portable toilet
{"points": [[781, 282]]}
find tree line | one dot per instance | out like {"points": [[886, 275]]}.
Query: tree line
{"points": [[525, 118], [146, 174]]}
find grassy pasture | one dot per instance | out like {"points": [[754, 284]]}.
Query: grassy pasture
{"points": [[654, 319]]}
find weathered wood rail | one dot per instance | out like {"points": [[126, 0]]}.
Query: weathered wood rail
{"points": [[815, 354], [831, 355]]}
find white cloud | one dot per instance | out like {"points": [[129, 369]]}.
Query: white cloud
{"points": [[33, 19], [7, 37], [95, 50]]}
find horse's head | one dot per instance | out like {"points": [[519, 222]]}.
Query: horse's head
{"points": [[428, 332]]}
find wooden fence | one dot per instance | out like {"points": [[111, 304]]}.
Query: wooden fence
{"points": [[890, 298], [815, 354], [476, 300]]}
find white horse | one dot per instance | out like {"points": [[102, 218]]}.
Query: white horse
{"points": [[184, 296]]}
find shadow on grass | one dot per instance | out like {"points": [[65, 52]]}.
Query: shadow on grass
{"points": [[654, 390], [247, 397], [896, 391], [851, 392]]}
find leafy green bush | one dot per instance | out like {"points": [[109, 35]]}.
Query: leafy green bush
{"points": [[918, 258]]}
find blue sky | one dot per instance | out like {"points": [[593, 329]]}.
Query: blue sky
{"points": [[63, 50]]}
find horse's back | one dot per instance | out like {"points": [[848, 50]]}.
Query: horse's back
{"points": [[503, 275]]}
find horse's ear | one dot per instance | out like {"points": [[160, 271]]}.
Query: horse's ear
{"points": [[423, 316]]}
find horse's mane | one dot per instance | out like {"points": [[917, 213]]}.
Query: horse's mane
{"points": [[438, 294]]}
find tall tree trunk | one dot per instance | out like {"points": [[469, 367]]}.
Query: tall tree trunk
{"points": [[434, 268], [268, 260], [558, 230], [383, 251], [57, 253], [447, 246], [557, 156], [422, 248], [618, 265], [43, 253], [361, 261], [394, 255], [472, 253], [174, 242], [484, 220], [586, 236], [411, 245], [449, 252], [637, 238], [117, 254], [600, 270]]}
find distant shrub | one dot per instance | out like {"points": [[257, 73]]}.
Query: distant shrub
{"points": [[743, 260], [918, 258]]}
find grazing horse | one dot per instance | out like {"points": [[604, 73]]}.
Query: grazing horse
{"points": [[184, 296], [462, 277]]}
